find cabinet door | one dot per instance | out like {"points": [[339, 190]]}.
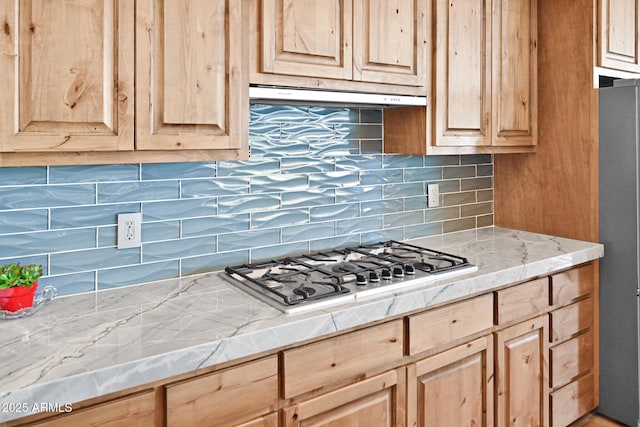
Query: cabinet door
{"points": [[521, 370], [191, 62], [461, 70], [453, 388], [514, 69], [66, 75], [375, 402], [307, 38], [137, 410], [618, 35], [270, 420], [389, 43]]}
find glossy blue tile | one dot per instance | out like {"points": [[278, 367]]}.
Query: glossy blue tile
{"points": [[92, 259], [309, 132], [122, 276], [178, 170], [308, 232], [207, 263], [214, 225], [278, 183], [450, 172], [249, 168], [69, 284], [476, 184], [107, 236], [402, 219], [23, 176], [24, 220], [329, 115], [358, 194], [214, 187], [138, 191], [358, 225], [358, 162], [441, 160], [448, 186], [332, 147], [175, 249], [403, 190], [264, 148], [258, 254], [476, 159], [334, 180], [248, 203], [333, 212], [307, 165], [442, 213], [296, 199], [93, 173], [176, 209], [381, 176], [260, 113], [371, 146], [43, 242], [423, 174], [87, 216], [248, 239], [268, 130], [415, 203], [379, 207], [423, 230], [382, 235], [370, 115], [42, 260], [361, 131], [400, 161], [279, 218], [160, 230], [485, 170], [46, 196], [335, 242]]}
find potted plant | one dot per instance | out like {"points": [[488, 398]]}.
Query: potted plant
{"points": [[18, 285]]}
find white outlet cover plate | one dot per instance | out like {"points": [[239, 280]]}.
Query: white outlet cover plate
{"points": [[434, 195], [129, 230]]}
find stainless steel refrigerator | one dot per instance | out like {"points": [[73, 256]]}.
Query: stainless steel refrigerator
{"points": [[619, 268]]}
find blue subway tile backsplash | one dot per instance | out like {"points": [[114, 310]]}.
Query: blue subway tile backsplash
{"points": [[317, 178]]}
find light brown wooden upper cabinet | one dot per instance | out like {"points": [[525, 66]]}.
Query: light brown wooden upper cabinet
{"points": [[365, 45], [483, 97], [618, 24], [67, 81]]}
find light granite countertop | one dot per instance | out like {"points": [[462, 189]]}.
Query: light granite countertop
{"points": [[84, 346]]}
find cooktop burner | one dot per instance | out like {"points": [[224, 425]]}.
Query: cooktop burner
{"points": [[304, 282]]}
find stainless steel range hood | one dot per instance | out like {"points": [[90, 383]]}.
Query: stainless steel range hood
{"points": [[292, 96]]}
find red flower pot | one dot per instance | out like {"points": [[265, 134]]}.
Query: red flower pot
{"points": [[13, 299]]}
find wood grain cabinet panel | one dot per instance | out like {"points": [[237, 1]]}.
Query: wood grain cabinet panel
{"points": [[573, 401], [569, 320], [572, 284], [132, 411], [66, 83], [387, 41], [188, 75], [447, 324], [521, 301], [454, 387], [307, 38], [339, 359], [571, 359], [515, 72], [375, 402], [239, 394], [522, 374], [618, 30]]}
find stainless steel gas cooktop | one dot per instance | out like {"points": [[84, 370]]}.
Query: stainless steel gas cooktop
{"points": [[306, 282]]}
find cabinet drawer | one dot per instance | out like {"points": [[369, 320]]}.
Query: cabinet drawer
{"points": [[447, 324], [522, 301], [571, 284], [571, 358], [570, 320], [236, 394], [337, 359], [572, 402]]}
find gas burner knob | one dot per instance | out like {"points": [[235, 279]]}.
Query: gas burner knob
{"points": [[409, 269], [361, 279], [386, 274], [398, 272], [374, 277]]}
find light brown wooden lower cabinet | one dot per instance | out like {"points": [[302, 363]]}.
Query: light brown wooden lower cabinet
{"points": [[270, 420], [453, 388], [136, 410], [375, 402], [522, 392]]}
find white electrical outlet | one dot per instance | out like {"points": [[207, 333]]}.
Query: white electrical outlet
{"points": [[129, 230], [434, 195]]}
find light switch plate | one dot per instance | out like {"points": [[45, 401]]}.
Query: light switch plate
{"points": [[434, 195], [129, 230]]}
